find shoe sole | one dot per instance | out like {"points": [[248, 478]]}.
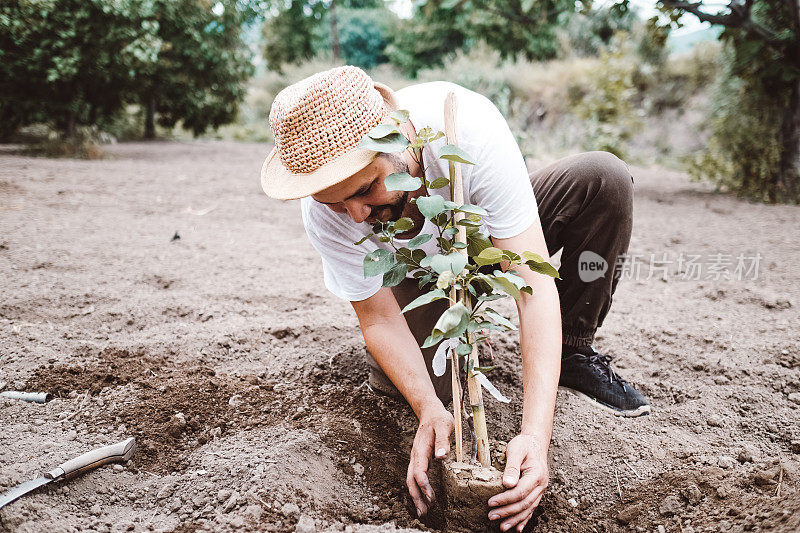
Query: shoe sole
{"points": [[632, 413]]}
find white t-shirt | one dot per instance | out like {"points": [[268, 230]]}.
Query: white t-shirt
{"points": [[498, 182]]}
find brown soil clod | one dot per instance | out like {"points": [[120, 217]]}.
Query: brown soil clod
{"points": [[468, 488]]}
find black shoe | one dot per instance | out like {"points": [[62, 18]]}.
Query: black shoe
{"points": [[588, 374]]}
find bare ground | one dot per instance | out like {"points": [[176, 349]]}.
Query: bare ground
{"points": [[231, 327]]}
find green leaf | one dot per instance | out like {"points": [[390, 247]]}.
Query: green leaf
{"points": [[527, 289], [430, 206], [498, 318], [450, 232], [474, 209], [454, 262], [410, 257], [419, 240], [395, 275], [530, 256], [478, 326], [361, 241], [489, 256], [382, 130], [511, 256], [444, 244], [489, 297], [452, 152], [453, 322], [438, 183], [464, 349], [512, 276], [468, 223], [377, 262], [401, 115], [502, 284], [394, 142], [402, 181], [459, 245], [477, 242], [404, 224], [543, 268], [432, 340], [425, 299]]}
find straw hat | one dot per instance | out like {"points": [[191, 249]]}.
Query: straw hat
{"points": [[317, 124]]}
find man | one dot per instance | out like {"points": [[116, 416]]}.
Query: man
{"points": [[584, 205]]}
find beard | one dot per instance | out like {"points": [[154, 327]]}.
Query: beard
{"points": [[398, 205]]}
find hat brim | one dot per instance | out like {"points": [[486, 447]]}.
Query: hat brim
{"points": [[280, 183]]}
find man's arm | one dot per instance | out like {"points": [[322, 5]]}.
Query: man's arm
{"points": [[526, 475], [394, 348]]}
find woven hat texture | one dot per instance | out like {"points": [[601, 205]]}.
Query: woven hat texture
{"points": [[317, 124]]}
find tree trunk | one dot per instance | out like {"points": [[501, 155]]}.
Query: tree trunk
{"points": [[69, 132], [334, 32], [788, 179], [150, 117]]}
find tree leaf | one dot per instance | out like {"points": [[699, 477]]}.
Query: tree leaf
{"points": [[361, 241], [419, 240], [438, 183], [453, 322], [401, 115], [454, 262], [402, 181], [502, 284], [464, 349], [511, 276], [452, 152], [394, 142], [530, 256], [498, 318], [543, 268], [430, 206], [382, 130], [491, 389], [395, 275], [474, 209], [404, 224], [432, 340], [476, 243], [377, 262], [489, 256], [425, 299]]}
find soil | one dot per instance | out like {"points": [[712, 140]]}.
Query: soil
{"points": [[243, 379]]}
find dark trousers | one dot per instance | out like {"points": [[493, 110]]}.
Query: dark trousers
{"points": [[585, 207]]}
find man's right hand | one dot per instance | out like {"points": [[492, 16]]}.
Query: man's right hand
{"points": [[433, 435]]}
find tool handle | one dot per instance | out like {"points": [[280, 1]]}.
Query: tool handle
{"points": [[114, 453]]}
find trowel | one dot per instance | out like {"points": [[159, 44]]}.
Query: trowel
{"points": [[114, 453]]}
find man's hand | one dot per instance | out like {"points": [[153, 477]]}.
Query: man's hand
{"points": [[435, 426], [526, 477]]}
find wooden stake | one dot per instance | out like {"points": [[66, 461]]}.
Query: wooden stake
{"points": [[455, 383], [457, 195]]}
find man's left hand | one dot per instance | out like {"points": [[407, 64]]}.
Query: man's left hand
{"points": [[526, 477]]}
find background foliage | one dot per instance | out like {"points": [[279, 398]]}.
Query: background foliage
{"points": [[568, 76]]}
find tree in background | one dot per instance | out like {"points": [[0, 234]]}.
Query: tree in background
{"points": [[754, 147], [67, 62], [197, 69], [356, 31], [289, 34], [77, 62]]}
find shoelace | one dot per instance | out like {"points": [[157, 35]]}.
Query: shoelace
{"points": [[603, 362]]}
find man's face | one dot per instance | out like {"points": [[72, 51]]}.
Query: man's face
{"points": [[363, 195]]}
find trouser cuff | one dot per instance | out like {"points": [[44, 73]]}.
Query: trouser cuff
{"points": [[577, 337]]}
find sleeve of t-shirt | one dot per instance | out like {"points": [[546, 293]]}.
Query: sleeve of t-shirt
{"points": [[342, 262], [499, 181]]}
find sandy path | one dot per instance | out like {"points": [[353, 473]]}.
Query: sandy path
{"points": [[231, 327]]}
